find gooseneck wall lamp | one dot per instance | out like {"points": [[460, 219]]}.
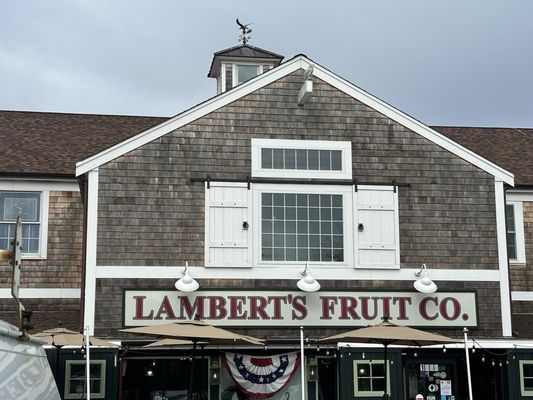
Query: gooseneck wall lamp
{"points": [[186, 283], [308, 283], [423, 284]]}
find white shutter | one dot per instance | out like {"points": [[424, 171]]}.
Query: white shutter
{"points": [[376, 227], [227, 210]]}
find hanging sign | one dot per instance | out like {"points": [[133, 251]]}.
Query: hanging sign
{"points": [[279, 308]]}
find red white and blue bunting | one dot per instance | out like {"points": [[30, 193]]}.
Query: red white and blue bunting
{"points": [[261, 377]]}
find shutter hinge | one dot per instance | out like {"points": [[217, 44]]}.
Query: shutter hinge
{"points": [[354, 182], [249, 181], [208, 180], [394, 185]]}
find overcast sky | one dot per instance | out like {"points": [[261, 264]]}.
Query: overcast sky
{"points": [[449, 62]]}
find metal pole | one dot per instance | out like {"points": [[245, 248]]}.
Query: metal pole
{"points": [[467, 357], [302, 361], [87, 364]]}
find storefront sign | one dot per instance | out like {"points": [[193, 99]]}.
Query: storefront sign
{"points": [[278, 308]]}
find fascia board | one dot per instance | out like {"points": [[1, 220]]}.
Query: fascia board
{"points": [[412, 124], [270, 76], [187, 116]]}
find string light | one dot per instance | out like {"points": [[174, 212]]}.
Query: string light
{"points": [[444, 349], [363, 356]]}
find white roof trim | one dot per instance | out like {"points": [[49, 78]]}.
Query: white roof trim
{"points": [[300, 62]]}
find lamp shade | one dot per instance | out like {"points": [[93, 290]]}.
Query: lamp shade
{"points": [[187, 283], [424, 284], [308, 283]]}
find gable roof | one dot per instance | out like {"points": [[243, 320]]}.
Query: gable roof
{"points": [[511, 148], [242, 51], [49, 144], [292, 65]]}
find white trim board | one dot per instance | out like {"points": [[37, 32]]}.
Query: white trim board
{"points": [[43, 293], [522, 296], [16, 185], [299, 62], [278, 273], [90, 252]]}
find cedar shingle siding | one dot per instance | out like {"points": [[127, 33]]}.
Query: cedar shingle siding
{"points": [[61, 269], [151, 214]]}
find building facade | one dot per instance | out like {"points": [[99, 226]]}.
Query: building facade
{"points": [[289, 172]]}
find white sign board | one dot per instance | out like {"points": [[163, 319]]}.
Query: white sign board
{"points": [[280, 308]]}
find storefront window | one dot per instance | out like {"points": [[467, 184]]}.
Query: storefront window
{"points": [[75, 381], [526, 377], [369, 378], [433, 380]]}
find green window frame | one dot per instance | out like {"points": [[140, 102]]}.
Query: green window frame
{"points": [[526, 377], [369, 376], [75, 371]]}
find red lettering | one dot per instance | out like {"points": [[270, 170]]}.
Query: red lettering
{"points": [[443, 308], [139, 309], [402, 306], [217, 307], [348, 305], [165, 308], [235, 307], [386, 306], [191, 310], [257, 307], [300, 311], [422, 308], [328, 306], [364, 307], [277, 300]]}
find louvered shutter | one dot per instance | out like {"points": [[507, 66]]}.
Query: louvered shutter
{"points": [[376, 227], [227, 240]]}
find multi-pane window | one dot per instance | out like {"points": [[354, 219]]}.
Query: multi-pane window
{"points": [[511, 231], [526, 377], [310, 159], [27, 206], [75, 379], [303, 159], [302, 227], [369, 378], [514, 221]]}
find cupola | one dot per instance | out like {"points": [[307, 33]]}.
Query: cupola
{"points": [[238, 64]]}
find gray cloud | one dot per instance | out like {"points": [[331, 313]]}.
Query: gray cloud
{"points": [[443, 62]]}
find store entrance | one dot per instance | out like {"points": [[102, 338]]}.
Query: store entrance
{"points": [[327, 378], [433, 379], [162, 378]]}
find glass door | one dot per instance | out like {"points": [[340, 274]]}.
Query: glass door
{"points": [[433, 379]]}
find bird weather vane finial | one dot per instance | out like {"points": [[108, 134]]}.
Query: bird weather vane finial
{"points": [[244, 37]]}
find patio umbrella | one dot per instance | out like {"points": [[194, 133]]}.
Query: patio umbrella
{"points": [[386, 333], [60, 337], [196, 331], [169, 342]]}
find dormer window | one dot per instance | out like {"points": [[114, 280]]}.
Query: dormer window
{"points": [[246, 72]]}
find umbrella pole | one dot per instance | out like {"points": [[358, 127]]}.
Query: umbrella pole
{"points": [[87, 363], [385, 394], [191, 377]]}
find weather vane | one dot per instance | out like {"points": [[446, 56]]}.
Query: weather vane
{"points": [[244, 37]]}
